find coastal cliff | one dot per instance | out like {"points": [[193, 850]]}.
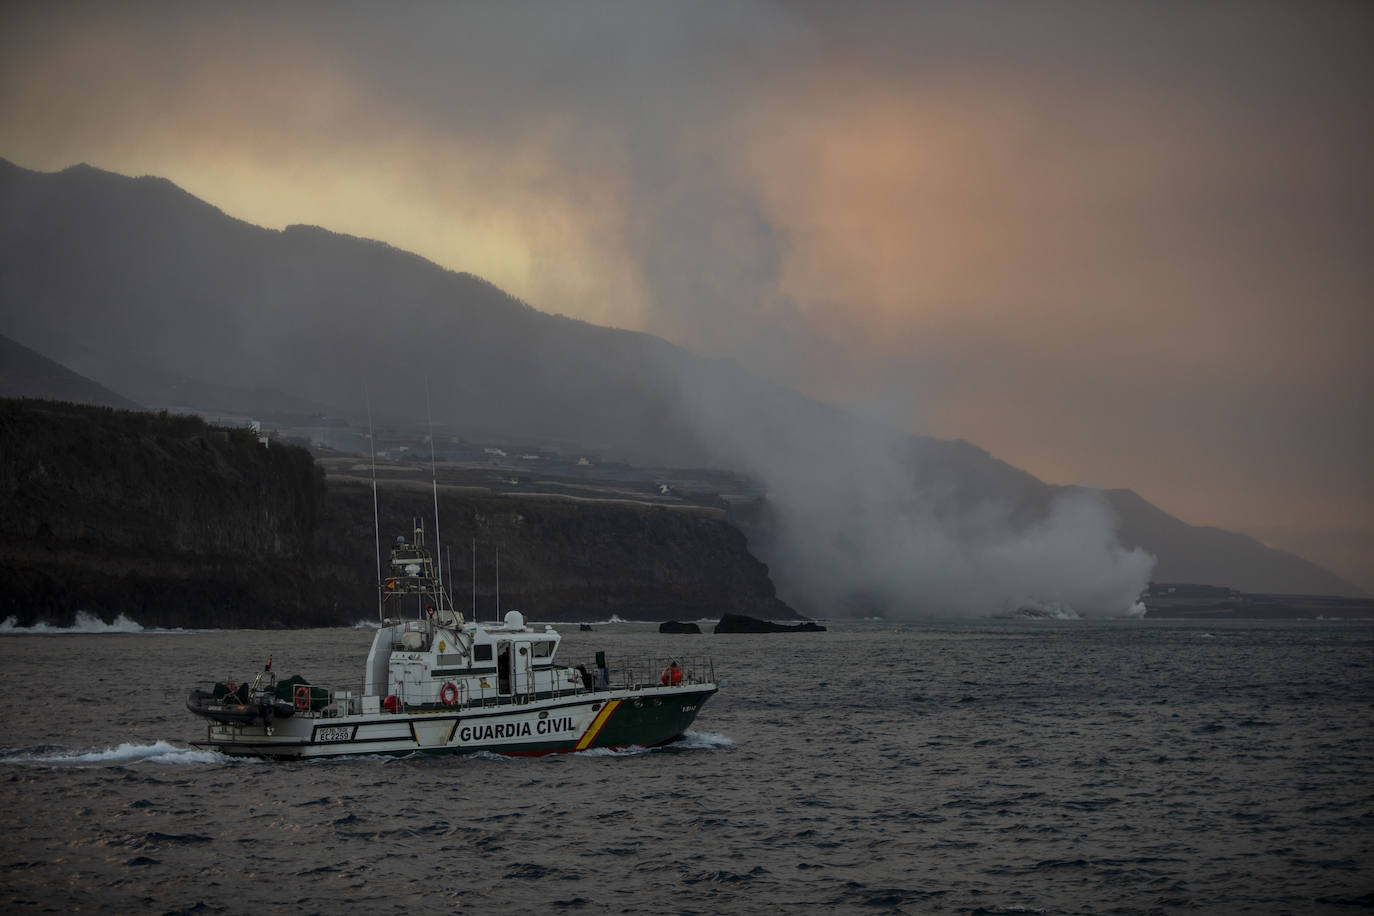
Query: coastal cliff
{"points": [[175, 523]]}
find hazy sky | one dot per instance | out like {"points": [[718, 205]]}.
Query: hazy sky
{"points": [[1126, 245]]}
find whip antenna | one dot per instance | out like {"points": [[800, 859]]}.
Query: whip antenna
{"points": [[376, 521], [434, 479]]}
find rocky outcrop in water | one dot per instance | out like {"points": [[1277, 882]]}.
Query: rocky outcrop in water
{"points": [[739, 623], [677, 626], [173, 522]]}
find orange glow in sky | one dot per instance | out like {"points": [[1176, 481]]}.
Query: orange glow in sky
{"points": [[1117, 245]]}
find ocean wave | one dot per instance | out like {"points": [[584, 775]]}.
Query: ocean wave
{"points": [[159, 752], [704, 740], [633, 750], [85, 623], [1044, 610], [614, 618], [690, 741]]}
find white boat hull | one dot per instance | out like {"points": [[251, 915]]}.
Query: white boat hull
{"points": [[646, 717]]}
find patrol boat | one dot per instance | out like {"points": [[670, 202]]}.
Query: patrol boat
{"points": [[436, 683]]}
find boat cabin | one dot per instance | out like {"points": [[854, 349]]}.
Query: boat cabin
{"points": [[426, 663]]}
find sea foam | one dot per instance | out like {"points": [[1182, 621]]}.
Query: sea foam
{"points": [[159, 752], [85, 623]]}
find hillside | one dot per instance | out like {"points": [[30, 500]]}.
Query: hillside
{"points": [[26, 373], [160, 297], [171, 287], [1193, 553]]}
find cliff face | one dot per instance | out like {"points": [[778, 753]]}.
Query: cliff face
{"points": [[558, 559], [162, 518], [176, 523]]}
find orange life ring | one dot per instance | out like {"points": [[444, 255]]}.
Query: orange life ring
{"points": [[672, 676], [302, 698], [448, 694]]}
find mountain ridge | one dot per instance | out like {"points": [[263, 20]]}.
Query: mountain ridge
{"points": [[322, 317], [25, 372]]}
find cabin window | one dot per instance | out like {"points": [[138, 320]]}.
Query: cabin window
{"points": [[481, 653], [543, 649]]}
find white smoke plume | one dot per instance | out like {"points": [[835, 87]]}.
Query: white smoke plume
{"points": [[864, 520]]}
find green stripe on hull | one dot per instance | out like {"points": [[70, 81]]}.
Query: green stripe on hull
{"points": [[649, 721]]}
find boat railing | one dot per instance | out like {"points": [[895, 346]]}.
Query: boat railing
{"points": [[307, 699], [330, 702], [317, 701], [636, 673]]}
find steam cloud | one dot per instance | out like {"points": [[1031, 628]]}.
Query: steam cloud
{"points": [[867, 520]]}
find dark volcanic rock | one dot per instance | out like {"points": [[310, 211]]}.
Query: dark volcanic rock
{"points": [[677, 626], [738, 623], [175, 523], [164, 519]]}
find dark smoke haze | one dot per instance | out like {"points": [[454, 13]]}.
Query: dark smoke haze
{"points": [[1121, 245]]}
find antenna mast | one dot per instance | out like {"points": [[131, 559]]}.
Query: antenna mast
{"points": [[434, 479], [376, 520]]}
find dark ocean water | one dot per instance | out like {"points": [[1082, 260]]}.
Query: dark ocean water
{"points": [[1032, 767]]}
